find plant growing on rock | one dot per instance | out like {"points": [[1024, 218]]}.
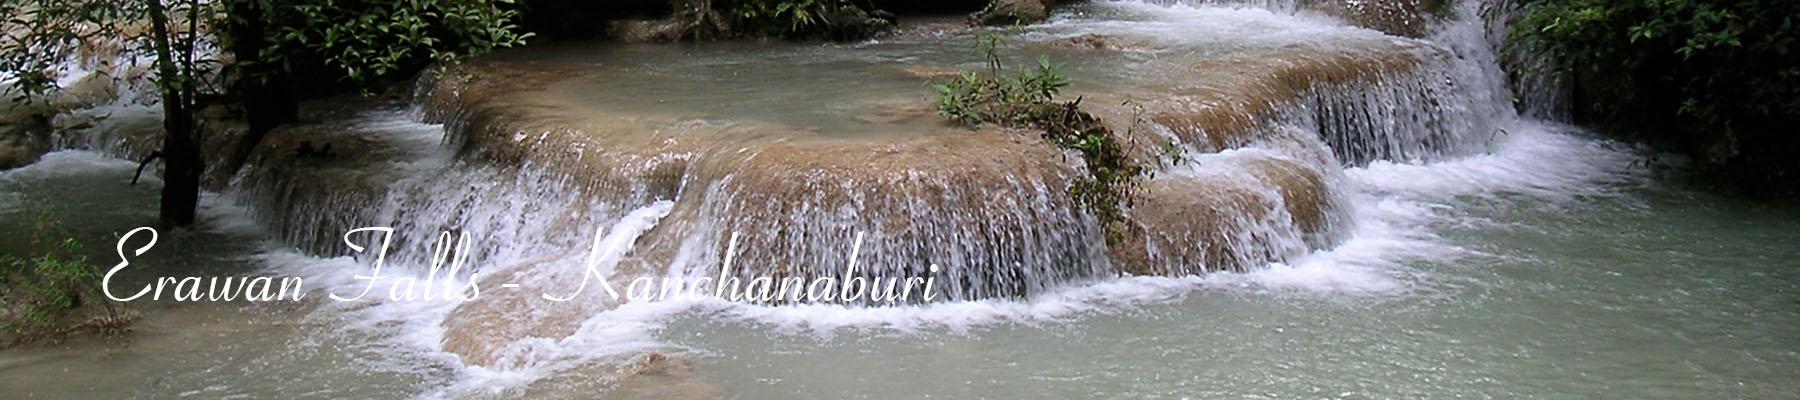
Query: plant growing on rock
{"points": [[55, 293], [1028, 100]]}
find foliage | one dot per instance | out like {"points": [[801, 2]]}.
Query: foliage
{"points": [[43, 37], [171, 34], [1112, 175], [1718, 79], [48, 295], [976, 98], [797, 15], [366, 40], [363, 40], [1028, 99]]}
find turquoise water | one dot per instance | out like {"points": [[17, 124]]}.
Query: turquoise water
{"points": [[1552, 264], [1595, 279]]}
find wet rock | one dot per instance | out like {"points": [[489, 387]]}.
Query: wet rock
{"points": [[1012, 12], [490, 331], [1099, 42], [645, 30], [931, 72], [933, 26], [24, 136], [652, 375], [899, 113], [1229, 213], [659, 376]]}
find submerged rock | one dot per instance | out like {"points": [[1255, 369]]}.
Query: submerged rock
{"points": [[1100, 42]]}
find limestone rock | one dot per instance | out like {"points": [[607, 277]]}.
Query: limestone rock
{"points": [[1013, 12]]}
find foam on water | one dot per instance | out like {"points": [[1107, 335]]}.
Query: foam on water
{"points": [[67, 163], [1249, 25], [1533, 158], [1394, 207]]}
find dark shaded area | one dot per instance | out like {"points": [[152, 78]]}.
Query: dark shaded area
{"points": [[927, 7], [577, 19], [1716, 80]]}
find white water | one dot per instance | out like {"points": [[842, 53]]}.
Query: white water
{"points": [[1395, 251], [1396, 208]]}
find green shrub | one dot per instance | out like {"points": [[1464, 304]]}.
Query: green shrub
{"points": [[976, 98], [1028, 100], [367, 40], [1719, 80], [55, 293]]}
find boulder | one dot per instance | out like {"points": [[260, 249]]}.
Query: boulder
{"points": [[854, 23], [24, 136], [1012, 12], [645, 30]]}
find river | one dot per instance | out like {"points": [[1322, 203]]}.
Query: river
{"points": [[1508, 258]]}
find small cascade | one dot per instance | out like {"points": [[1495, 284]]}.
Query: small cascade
{"points": [[996, 223], [813, 162], [528, 153], [391, 172], [1265, 153], [1407, 18], [530, 169]]}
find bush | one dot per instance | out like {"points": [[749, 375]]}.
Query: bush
{"points": [[368, 40], [53, 294], [977, 98], [1028, 100], [1719, 80]]}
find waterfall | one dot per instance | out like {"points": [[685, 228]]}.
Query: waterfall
{"points": [[1262, 187]]}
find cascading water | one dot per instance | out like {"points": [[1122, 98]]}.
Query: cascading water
{"points": [[1265, 135], [671, 151]]}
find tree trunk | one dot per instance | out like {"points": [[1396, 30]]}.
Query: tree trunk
{"points": [[265, 92], [182, 165]]}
